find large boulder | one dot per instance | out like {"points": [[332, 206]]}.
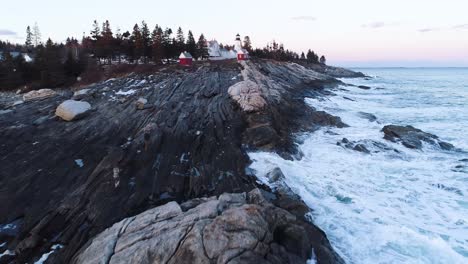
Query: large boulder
{"points": [[72, 110], [234, 228], [38, 94], [248, 95], [412, 137]]}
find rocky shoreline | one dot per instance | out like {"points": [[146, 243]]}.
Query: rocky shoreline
{"points": [[177, 138]]}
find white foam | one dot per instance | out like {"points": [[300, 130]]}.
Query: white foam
{"points": [[383, 207]]}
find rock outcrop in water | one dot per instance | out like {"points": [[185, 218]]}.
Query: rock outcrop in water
{"points": [[62, 183], [412, 137]]}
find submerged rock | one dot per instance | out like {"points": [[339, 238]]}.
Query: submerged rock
{"points": [[72, 110], [234, 228], [412, 137]]}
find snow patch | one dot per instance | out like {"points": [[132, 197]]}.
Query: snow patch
{"points": [[79, 162], [46, 255], [129, 92]]}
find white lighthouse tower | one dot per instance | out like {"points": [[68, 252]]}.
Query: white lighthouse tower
{"points": [[238, 43]]}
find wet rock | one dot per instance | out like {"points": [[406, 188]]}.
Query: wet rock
{"points": [[72, 110], [275, 175], [363, 87], [368, 116], [2, 112], [361, 148], [412, 137], [38, 94], [244, 232]]}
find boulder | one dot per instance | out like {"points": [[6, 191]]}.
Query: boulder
{"points": [[412, 137], [248, 95], [244, 232], [141, 103], [275, 175], [38, 94], [72, 110]]}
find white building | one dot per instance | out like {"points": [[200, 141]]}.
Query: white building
{"points": [[217, 53]]}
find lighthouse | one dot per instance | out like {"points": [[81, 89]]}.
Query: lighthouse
{"points": [[238, 43]]}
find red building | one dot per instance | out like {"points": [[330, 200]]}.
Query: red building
{"points": [[242, 54], [185, 59]]}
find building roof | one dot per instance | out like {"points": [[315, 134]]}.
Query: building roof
{"points": [[185, 55]]}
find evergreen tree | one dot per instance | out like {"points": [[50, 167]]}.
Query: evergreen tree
{"points": [[29, 38], [323, 60], [303, 56], [180, 41], [36, 35], [105, 42], [138, 48], [191, 46], [247, 44], [146, 38], [167, 44], [157, 48], [202, 48], [95, 32]]}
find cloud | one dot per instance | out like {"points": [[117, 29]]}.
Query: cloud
{"points": [[304, 18], [377, 24], [6, 32], [463, 26]]}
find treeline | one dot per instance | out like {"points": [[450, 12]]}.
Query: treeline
{"points": [[277, 51], [57, 64], [45, 65], [142, 45]]}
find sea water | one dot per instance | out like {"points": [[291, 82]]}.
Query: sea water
{"points": [[409, 206]]}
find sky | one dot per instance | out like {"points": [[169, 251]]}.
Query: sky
{"points": [[351, 33]]}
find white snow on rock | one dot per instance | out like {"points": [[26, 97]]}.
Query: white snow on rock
{"points": [[39, 94], [46, 255], [129, 92], [79, 162], [71, 109], [7, 253]]}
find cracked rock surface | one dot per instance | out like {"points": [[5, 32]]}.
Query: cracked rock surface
{"points": [[231, 228]]}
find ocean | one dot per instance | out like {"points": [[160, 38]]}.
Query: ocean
{"points": [[409, 206]]}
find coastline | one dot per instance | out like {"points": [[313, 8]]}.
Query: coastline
{"points": [[199, 136]]}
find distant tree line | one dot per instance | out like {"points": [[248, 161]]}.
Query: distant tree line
{"points": [[58, 64], [36, 64], [277, 51]]}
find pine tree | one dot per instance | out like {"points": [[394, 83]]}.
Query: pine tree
{"points": [[36, 35], [323, 60], [303, 56], [95, 32], [146, 38], [29, 38], [157, 48], [191, 45], [202, 48], [180, 41], [247, 44], [167, 44], [137, 38], [105, 42]]}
